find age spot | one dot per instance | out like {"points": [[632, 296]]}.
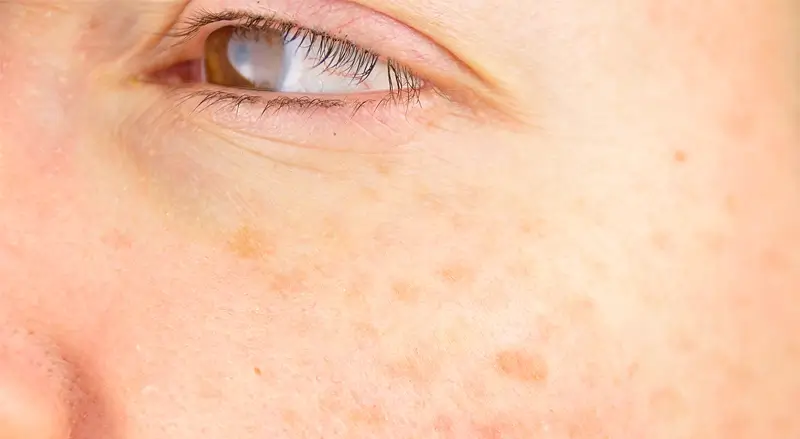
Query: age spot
{"points": [[680, 156], [456, 274], [248, 243], [521, 366]]}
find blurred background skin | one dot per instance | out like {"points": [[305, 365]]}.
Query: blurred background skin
{"points": [[618, 260]]}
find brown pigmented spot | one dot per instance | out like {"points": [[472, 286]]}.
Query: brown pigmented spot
{"points": [[405, 292], [680, 156], [521, 366], [249, 243], [456, 273], [369, 415], [731, 204]]}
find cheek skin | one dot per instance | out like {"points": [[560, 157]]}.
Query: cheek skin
{"points": [[474, 312], [488, 286], [289, 305]]}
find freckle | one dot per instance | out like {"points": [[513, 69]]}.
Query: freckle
{"points": [[680, 156], [369, 415], [291, 418], [456, 273], [257, 371], [405, 292], [521, 366], [247, 243], [288, 283], [383, 168], [488, 431], [730, 204], [407, 369]]}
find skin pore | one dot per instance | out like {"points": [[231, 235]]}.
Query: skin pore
{"points": [[592, 232]]}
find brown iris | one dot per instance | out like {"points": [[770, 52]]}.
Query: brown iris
{"points": [[263, 54]]}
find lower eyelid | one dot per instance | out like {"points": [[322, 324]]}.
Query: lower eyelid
{"points": [[338, 121]]}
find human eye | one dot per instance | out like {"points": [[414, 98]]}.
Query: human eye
{"points": [[256, 64], [262, 53]]}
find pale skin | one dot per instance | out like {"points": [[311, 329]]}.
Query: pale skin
{"points": [[596, 236]]}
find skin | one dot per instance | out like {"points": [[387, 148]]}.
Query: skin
{"points": [[601, 242]]}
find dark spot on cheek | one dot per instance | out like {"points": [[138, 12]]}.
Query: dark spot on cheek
{"points": [[257, 371], [521, 366], [731, 204], [456, 274], [249, 243], [405, 292], [370, 415], [289, 283], [383, 167], [680, 156]]}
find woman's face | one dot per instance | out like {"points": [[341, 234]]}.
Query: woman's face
{"points": [[566, 219]]}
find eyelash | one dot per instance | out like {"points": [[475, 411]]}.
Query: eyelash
{"points": [[333, 53]]}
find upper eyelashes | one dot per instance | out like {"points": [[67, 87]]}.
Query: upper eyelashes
{"points": [[323, 55]]}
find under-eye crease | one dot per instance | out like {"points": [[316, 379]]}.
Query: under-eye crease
{"points": [[333, 54]]}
